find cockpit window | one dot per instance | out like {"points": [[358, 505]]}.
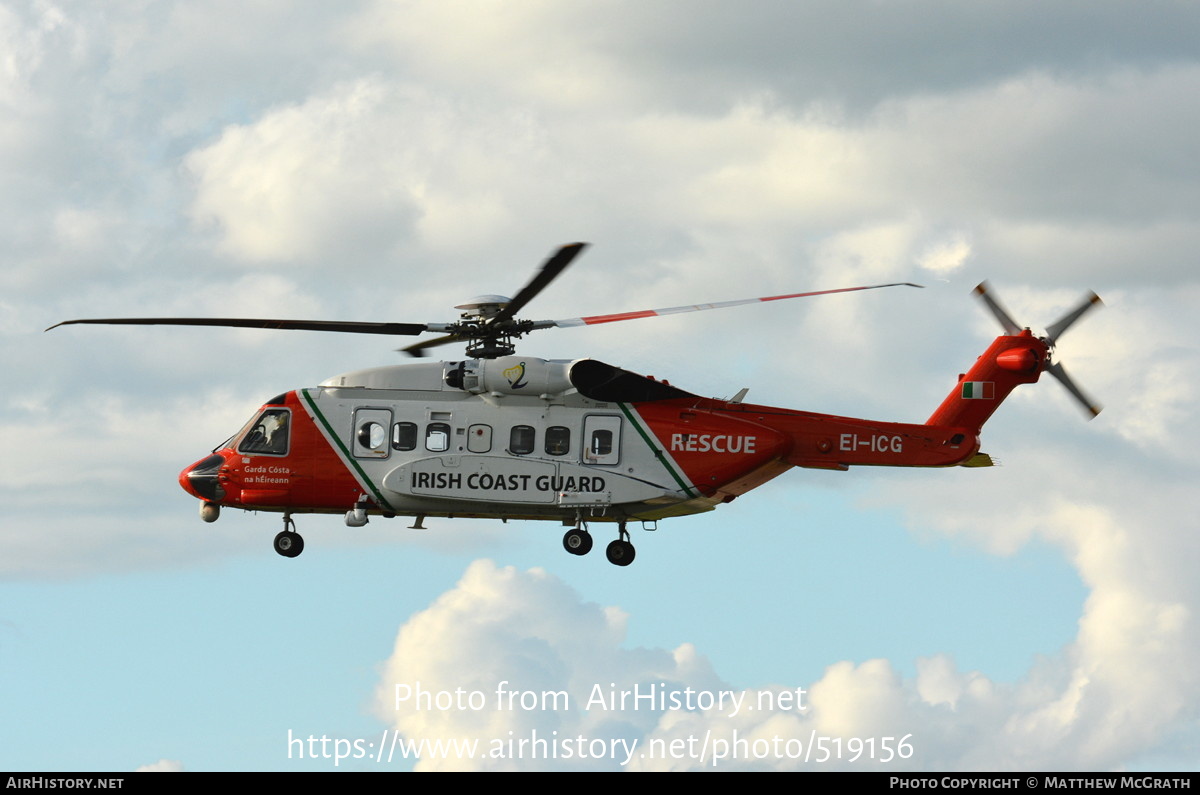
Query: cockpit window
{"points": [[268, 435]]}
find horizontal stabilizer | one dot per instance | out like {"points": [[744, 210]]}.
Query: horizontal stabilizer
{"points": [[978, 460]]}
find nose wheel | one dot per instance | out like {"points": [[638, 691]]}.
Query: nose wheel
{"points": [[289, 543]]}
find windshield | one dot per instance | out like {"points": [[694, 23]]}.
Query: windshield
{"points": [[267, 434]]}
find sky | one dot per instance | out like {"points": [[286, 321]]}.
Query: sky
{"points": [[384, 161]]}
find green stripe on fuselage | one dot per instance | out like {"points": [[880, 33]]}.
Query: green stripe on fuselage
{"points": [[658, 453], [345, 453]]}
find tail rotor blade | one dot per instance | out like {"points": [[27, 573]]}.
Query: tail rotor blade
{"points": [[1006, 321], [1056, 329], [1090, 406]]}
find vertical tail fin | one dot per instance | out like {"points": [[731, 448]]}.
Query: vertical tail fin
{"points": [[1014, 359], [1009, 362]]}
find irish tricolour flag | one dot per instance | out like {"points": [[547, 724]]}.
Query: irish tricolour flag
{"points": [[979, 390]]}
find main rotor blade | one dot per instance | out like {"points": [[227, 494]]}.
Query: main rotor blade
{"points": [[1005, 320], [550, 269], [418, 348], [675, 310], [1056, 329], [1090, 406], [404, 329]]}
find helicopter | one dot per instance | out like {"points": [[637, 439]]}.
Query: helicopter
{"points": [[581, 442]]}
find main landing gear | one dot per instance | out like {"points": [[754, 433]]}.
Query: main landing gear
{"points": [[289, 543], [578, 541], [621, 551]]}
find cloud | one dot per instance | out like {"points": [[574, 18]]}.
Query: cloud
{"points": [[115, 504], [1030, 167], [597, 55], [522, 632], [947, 255], [1122, 686], [303, 176], [162, 766]]}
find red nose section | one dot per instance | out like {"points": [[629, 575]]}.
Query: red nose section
{"points": [[201, 479], [185, 483]]}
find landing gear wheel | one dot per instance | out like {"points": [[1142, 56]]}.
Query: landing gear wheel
{"points": [[577, 542], [289, 543], [620, 553]]}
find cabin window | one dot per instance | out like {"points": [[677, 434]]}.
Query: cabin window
{"points": [[371, 435], [521, 440], [437, 437], [370, 439], [268, 435], [602, 439], [558, 440], [404, 436]]}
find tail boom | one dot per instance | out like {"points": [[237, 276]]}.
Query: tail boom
{"points": [[830, 442], [1010, 361]]}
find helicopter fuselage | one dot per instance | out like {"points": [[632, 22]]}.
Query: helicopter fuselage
{"points": [[526, 438]]}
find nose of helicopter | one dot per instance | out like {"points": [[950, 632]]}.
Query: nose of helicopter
{"points": [[200, 479]]}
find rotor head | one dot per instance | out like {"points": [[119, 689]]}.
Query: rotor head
{"points": [[484, 306]]}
